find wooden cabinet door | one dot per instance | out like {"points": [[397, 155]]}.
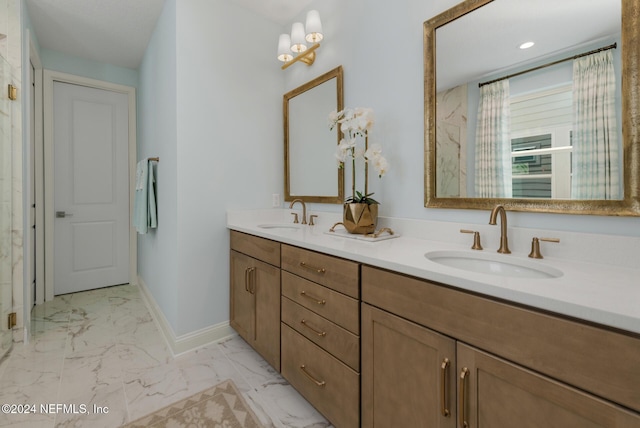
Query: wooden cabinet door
{"points": [[242, 300], [404, 382], [264, 283], [497, 393], [255, 305]]}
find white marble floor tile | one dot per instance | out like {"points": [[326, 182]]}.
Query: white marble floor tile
{"points": [[104, 407], [85, 371], [151, 389], [253, 367], [102, 350]]}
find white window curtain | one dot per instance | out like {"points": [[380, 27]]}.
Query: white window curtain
{"points": [[493, 142], [596, 154]]}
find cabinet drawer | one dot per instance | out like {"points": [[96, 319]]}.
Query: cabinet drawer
{"points": [[339, 342], [337, 274], [335, 307], [329, 385], [254, 246], [603, 362]]}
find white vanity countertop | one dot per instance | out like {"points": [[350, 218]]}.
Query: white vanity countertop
{"points": [[596, 292]]}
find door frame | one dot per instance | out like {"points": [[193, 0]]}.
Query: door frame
{"points": [[32, 179], [49, 77]]}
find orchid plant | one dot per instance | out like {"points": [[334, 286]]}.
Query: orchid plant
{"points": [[356, 123]]}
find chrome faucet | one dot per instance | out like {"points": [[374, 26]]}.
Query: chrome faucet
{"points": [[504, 241], [304, 209]]}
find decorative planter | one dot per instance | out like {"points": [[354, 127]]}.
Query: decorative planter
{"points": [[360, 218]]}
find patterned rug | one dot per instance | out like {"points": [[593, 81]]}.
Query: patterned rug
{"points": [[220, 406]]}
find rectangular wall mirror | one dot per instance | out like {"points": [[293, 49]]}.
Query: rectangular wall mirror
{"points": [[505, 124], [311, 172]]}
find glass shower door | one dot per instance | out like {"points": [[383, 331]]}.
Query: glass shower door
{"points": [[6, 286]]}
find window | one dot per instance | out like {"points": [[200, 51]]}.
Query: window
{"points": [[541, 144]]}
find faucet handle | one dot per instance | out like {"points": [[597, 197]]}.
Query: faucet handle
{"points": [[295, 217], [476, 238], [311, 217], [535, 246]]}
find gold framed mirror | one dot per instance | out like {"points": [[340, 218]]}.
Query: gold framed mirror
{"points": [[310, 169], [629, 202]]}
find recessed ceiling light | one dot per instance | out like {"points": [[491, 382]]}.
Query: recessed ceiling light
{"points": [[526, 45]]}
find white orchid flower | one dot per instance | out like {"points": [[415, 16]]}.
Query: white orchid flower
{"points": [[346, 144], [365, 118], [340, 158], [373, 151], [381, 165], [344, 150], [333, 119], [357, 123]]}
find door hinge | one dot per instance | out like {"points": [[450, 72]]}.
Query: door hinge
{"points": [[12, 92], [13, 320]]}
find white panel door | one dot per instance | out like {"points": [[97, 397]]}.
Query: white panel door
{"points": [[91, 188]]}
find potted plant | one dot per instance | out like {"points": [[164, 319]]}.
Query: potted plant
{"points": [[360, 209]]}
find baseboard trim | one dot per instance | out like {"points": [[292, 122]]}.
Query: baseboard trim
{"points": [[186, 342]]}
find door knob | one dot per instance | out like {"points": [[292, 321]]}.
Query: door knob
{"points": [[62, 214]]}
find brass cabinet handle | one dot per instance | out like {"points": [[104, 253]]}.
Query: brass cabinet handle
{"points": [[315, 299], [319, 383], [444, 369], [463, 399], [318, 332], [249, 284], [317, 269], [255, 303]]}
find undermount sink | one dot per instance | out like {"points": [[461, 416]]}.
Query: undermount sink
{"points": [[493, 264]]}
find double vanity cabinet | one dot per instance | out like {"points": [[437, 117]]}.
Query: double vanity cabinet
{"points": [[375, 348]]}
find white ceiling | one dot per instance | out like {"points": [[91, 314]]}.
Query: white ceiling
{"points": [[486, 41], [118, 31], [279, 11]]}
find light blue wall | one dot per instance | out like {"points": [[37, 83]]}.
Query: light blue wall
{"points": [[229, 142], [157, 129], [211, 108], [213, 116], [58, 61]]}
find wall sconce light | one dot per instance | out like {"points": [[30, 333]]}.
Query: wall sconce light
{"points": [[293, 48]]}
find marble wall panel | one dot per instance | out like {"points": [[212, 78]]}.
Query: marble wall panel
{"points": [[451, 142]]}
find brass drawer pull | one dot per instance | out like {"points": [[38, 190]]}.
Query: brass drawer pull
{"points": [[318, 332], [444, 369], [249, 285], [319, 383], [317, 269], [247, 279], [315, 299], [463, 400]]}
